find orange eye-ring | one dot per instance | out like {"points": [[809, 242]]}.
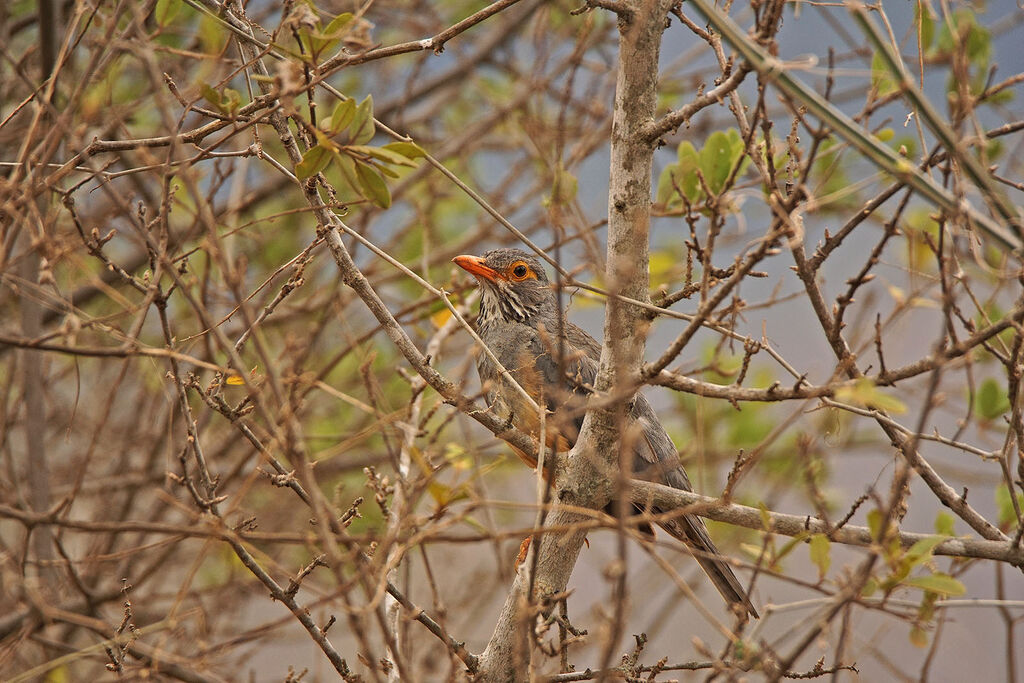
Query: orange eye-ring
{"points": [[520, 271]]}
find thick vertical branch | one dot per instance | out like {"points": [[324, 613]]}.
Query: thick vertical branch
{"points": [[585, 481]]}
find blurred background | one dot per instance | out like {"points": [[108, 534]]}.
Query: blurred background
{"points": [[166, 298]]}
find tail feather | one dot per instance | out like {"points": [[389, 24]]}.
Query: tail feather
{"points": [[691, 530]]}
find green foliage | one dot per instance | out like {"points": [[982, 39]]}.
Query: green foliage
{"points": [[963, 34], [902, 561], [863, 392], [920, 228], [944, 524], [925, 25], [226, 103], [882, 81], [828, 171], [962, 37], [563, 188], [714, 164], [1007, 514], [166, 10], [360, 167], [990, 400], [821, 553]]}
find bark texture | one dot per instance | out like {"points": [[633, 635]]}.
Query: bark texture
{"points": [[585, 480]]}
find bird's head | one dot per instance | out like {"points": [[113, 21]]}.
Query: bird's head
{"points": [[513, 284]]}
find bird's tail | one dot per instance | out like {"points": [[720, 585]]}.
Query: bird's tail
{"points": [[691, 530]]}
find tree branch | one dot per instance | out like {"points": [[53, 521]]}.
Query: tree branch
{"points": [[666, 498]]}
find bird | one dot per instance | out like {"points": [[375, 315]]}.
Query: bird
{"points": [[520, 322]]}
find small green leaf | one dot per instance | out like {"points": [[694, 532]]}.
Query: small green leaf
{"points": [[863, 392], [343, 114], [966, 35], [563, 188], [716, 160], [363, 128], [666, 194], [875, 523], [820, 548], [410, 150], [990, 401], [212, 34], [766, 518], [1007, 515], [885, 135], [373, 186], [337, 26], [922, 550], [738, 151], [165, 11], [383, 154], [942, 584], [923, 19], [944, 524], [882, 81], [688, 161], [231, 101], [347, 166], [211, 95], [313, 161]]}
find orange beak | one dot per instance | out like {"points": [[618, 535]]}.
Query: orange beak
{"points": [[474, 265]]}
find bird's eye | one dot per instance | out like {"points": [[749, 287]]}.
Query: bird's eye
{"points": [[520, 271]]}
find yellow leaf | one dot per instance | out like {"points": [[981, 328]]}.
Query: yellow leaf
{"points": [[236, 380], [863, 392], [441, 317]]}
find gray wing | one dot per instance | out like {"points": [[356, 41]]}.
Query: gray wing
{"points": [[656, 459]]}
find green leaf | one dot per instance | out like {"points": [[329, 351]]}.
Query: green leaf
{"points": [[923, 19], [347, 167], [944, 524], [875, 523], [863, 392], [680, 177], [688, 161], [1007, 515], [942, 584], [337, 27], [232, 100], [410, 150], [383, 154], [165, 11], [343, 114], [362, 128], [666, 194], [922, 550], [966, 35], [766, 518], [372, 185], [563, 188], [882, 81], [738, 151], [716, 160], [212, 34], [211, 95], [820, 548], [313, 161], [990, 401]]}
